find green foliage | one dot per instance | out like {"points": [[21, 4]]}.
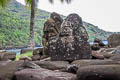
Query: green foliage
{"points": [[14, 26], [3, 3], [28, 54]]}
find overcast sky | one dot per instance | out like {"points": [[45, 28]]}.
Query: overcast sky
{"points": [[103, 13]]}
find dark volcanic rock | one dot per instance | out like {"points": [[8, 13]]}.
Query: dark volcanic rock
{"points": [[114, 40], [58, 20], [7, 69], [83, 63], [51, 31], [99, 72], [53, 65], [101, 44], [96, 55], [37, 53], [43, 74], [35, 57], [4, 56], [95, 46], [116, 57], [72, 42]]}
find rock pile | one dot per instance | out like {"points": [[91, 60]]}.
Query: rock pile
{"points": [[114, 40], [65, 41]]}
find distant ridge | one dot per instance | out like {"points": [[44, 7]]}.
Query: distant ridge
{"points": [[14, 26]]}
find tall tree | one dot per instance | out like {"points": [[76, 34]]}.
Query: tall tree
{"points": [[32, 4]]}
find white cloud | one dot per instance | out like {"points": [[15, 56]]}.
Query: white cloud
{"points": [[102, 13]]}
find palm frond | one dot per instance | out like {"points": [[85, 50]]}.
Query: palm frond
{"points": [[28, 3], [62, 1]]}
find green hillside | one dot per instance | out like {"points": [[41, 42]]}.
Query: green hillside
{"points": [[14, 26]]}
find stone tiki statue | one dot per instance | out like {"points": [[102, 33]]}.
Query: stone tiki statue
{"points": [[72, 43], [51, 31]]}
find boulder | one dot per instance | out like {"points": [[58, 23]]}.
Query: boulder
{"points": [[101, 44], [116, 57], [83, 63], [43, 74], [29, 65], [116, 50], [114, 40], [96, 55], [25, 58], [4, 56], [106, 52], [95, 46], [99, 72], [38, 51], [53, 65], [72, 42], [7, 69], [35, 57]]}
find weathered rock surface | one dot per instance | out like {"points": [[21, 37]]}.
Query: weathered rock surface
{"points": [[99, 72], [51, 31], [96, 55], [29, 65], [25, 58], [95, 46], [116, 50], [53, 65], [72, 42], [37, 53], [83, 63], [7, 69], [36, 57], [4, 56], [58, 20], [116, 57], [106, 52], [114, 40], [101, 44], [43, 74]]}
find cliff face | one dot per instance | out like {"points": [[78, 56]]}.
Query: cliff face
{"points": [[14, 26]]}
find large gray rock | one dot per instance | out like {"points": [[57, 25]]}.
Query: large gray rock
{"points": [[114, 40], [7, 69], [99, 72], [53, 65], [58, 20], [4, 56], [51, 31], [72, 42], [43, 74], [83, 63]]}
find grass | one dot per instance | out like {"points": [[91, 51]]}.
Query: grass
{"points": [[29, 54]]}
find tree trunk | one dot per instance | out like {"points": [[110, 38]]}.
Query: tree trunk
{"points": [[32, 21]]}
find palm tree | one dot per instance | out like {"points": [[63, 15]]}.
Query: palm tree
{"points": [[32, 4]]}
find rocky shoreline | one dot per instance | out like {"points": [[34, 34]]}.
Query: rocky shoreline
{"points": [[66, 55]]}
